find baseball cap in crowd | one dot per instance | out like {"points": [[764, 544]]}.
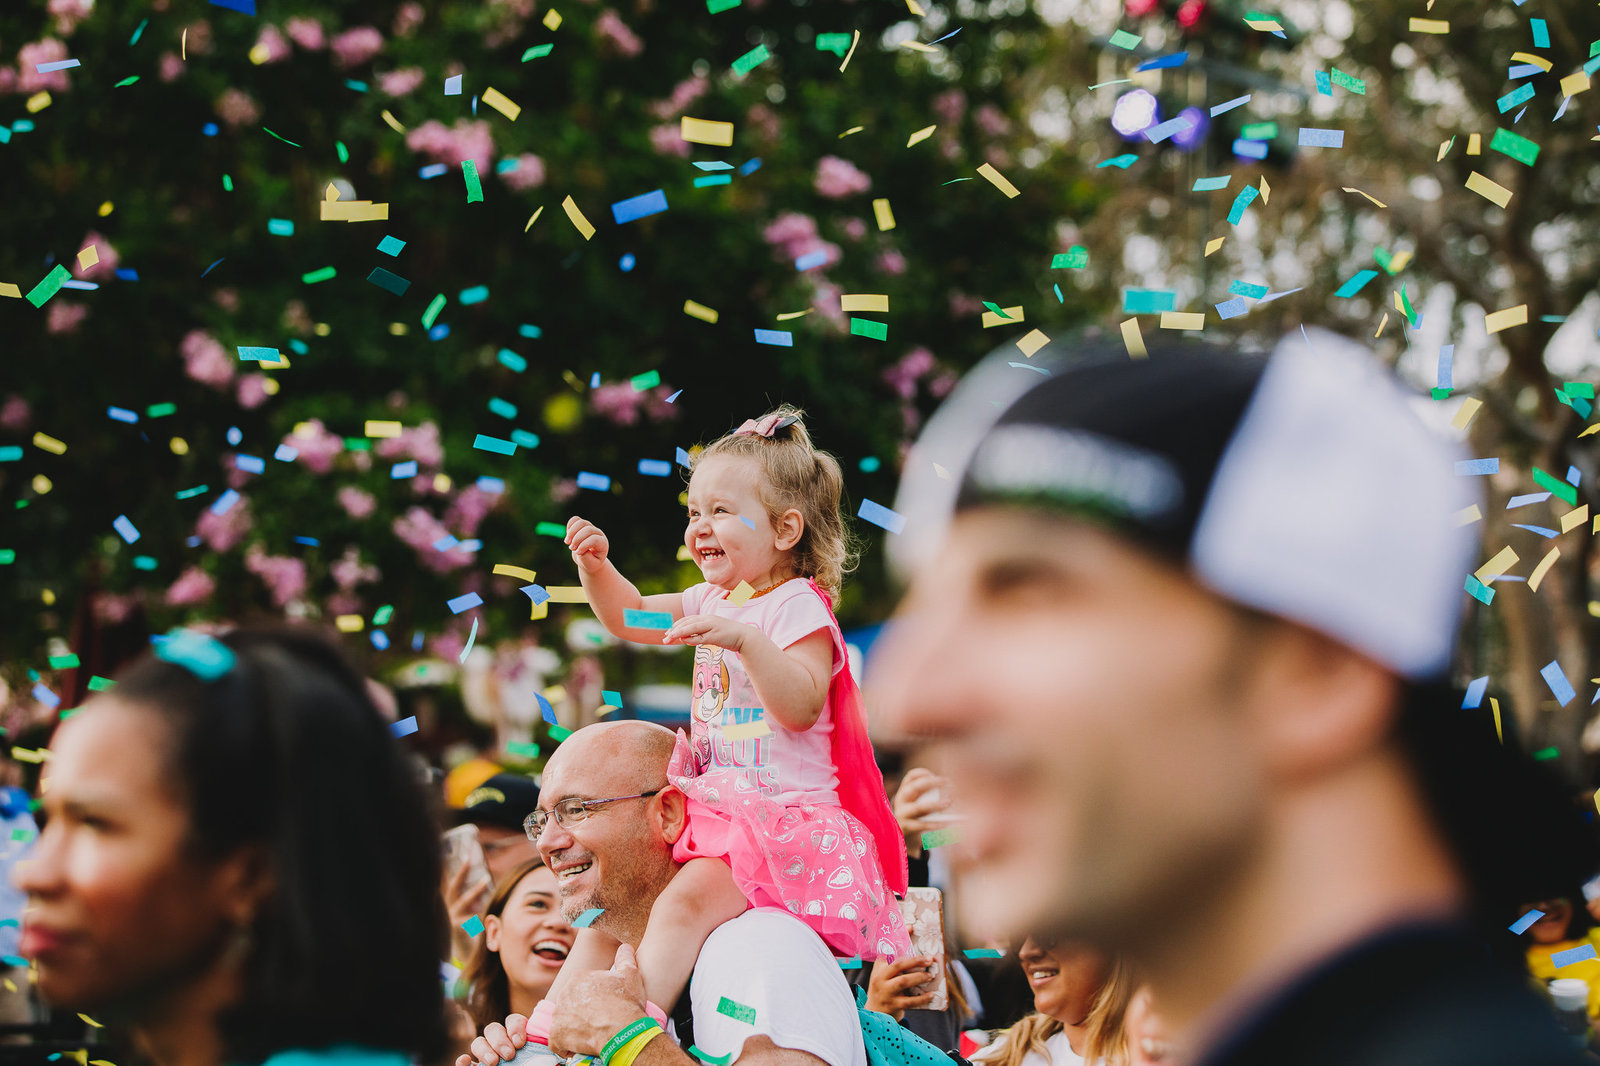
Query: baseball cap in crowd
{"points": [[1301, 483], [503, 800]]}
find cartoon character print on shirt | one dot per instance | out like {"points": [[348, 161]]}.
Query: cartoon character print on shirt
{"points": [[745, 761], [710, 693]]}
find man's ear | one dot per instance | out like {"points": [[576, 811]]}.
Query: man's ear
{"points": [[674, 816], [244, 882], [491, 932], [787, 529]]}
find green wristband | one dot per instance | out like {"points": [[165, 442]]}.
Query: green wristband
{"points": [[627, 1033]]}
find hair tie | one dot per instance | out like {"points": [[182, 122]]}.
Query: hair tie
{"points": [[768, 425]]}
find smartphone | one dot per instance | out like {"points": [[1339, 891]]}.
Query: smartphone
{"points": [[462, 848], [923, 910]]}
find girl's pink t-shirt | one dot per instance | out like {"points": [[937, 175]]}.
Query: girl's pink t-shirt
{"points": [[788, 766]]}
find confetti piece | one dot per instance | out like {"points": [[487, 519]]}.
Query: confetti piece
{"points": [[706, 131], [737, 1011], [1573, 519], [404, 727], [1134, 339], [315, 276], [1166, 62], [1492, 191], [64, 662], [938, 838], [40, 294], [655, 468], [1473, 697], [1520, 926], [11, 289], [389, 280], [1238, 101], [1214, 244], [1148, 301], [741, 593], [1161, 131], [486, 443], [1498, 566], [1561, 689], [1430, 25], [1000, 316], [1555, 486], [650, 203], [1311, 137], [582, 224], [1356, 283], [452, 85], [852, 963], [201, 654], [1572, 955], [1369, 196], [48, 443], [983, 953], [125, 528], [533, 218], [508, 570], [85, 1017], [1573, 84], [1479, 591], [999, 181], [567, 594], [855, 39], [1125, 40], [469, 174], [883, 214], [1211, 184], [647, 619], [1541, 33], [864, 302], [473, 925], [586, 919], [781, 338], [1496, 321], [1346, 81], [747, 730], [751, 60], [500, 102], [1185, 320], [1543, 568], [353, 211], [594, 482], [472, 637], [1246, 197], [700, 311], [921, 135], [1520, 95], [1032, 342], [1516, 146], [881, 516], [464, 602]]}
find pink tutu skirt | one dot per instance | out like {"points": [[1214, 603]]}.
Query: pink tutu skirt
{"points": [[817, 862]]}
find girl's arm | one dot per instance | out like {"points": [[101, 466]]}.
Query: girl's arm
{"points": [[609, 593], [792, 682]]}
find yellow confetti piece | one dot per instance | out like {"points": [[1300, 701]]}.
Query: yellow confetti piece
{"points": [[1381, 324], [1573, 84], [1489, 189], [1213, 244], [1266, 191], [376, 428], [1264, 25], [1543, 568], [567, 594], [741, 593], [1469, 409], [552, 20], [1498, 565], [918, 46], [1444, 148], [706, 131], [353, 211], [10, 288], [523, 573], [884, 215], [179, 446], [349, 623], [1475, 144], [787, 315], [91, 1021], [540, 610], [1430, 25], [1013, 316], [582, 224], [393, 122], [942, 473], [1183, 320], [915, 8], [864, 302], [700, 311], [49, 443], [1032, 342], [998, 180], [88, 257], [183, 44], [1467, 515], [1494, 705], [533, 218], [1134, 339], [854, 40], [42, 484], [441, 483], [501, 103], [747, 730], [38, 102], [555, 693], [1398, 263], [1369, 196], [27, 755], [1496, 321], [1573, 519], [852, 129], [921, 135], [1528, 57]]}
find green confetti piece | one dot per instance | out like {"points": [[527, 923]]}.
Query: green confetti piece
{"points": [[1125, 40], [1547, 753], [1441, 394], [434, 307], [129, 80], [469, 174], [1347, 81], [648, 380], [101, 684], [937, 838], [550, 529], [538, 51], [1516, 146], [1259, 131], [160, 410], [837, 43], [737, 1011], [751, 60], [1556, 487], [285, 140], [319, 275], [1579, 388], [865, 327], [523, 748], [559, 733], [997, 309], [717, 7], [1405, 305], [1384, 259], [186, 494], [63, 662], [22, 834], [381, 616], [341, 151], [227, 183], [7, 556], [1072, 259], [51, 283]]}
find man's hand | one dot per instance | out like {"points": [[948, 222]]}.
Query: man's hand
{"points": [[707, 629], [461, 901], [890, 989], [597, 1006], [588, 545], [498, 1042], [921, 793]]}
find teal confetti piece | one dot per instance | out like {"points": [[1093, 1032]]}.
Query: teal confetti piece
{"points": [[1148, 301], [475, 295], [1121, 162], [983, 953], [1246, 197], [852, 963], [137, 33], [391, 245], [51, 284], [280, 227], [1211, 184], [1541, 33], [1520, 95], [503, 408], [473, 925], [486, 443], [285, 140], [611, 698], [469, 174], [1074, 258], [1244, 288], [586, 919], [1125, 40], [753, 59], [1356, 283], [647, 619], [202, 655], [713, 179], [737, 1011], [385, 279], [1479, 591]]}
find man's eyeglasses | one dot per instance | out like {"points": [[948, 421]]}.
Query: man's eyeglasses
{"points": [[569, 812]]}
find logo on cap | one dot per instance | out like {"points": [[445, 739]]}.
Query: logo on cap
{"points": [[1076, 468]]}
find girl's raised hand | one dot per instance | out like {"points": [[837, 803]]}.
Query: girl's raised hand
{"points": [[588, 545], [707, 629]]}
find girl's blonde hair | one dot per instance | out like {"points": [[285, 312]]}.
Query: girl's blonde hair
{"points": [[795, 474], [1105, 1040]]}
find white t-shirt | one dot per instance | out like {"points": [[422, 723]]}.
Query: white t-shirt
{"points": [[1061, 1053], [770, 962], [792, 767]]}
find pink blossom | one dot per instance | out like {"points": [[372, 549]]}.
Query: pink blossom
{"points": [[297, 317], [8, 81], [413, 442], [30, 55], [113, 609], [891, 261], [684, 93], [171, 67], [903, 376], [618, 401], [668, 140], [407, 19], [69, 13], [838, 178], [991, 121], [227, 298], [109, 258], [271, 45], [237, 108], [527, 174], [963, 305], [284, 575], [563, 489], [349, 571], [762, 122], [421, 530], [793, 235], [448, 645], [401, 82], [612, 31], [854, 228], [355, 46], [826, 303], [357, 503], [941, 385], [452, 144], [193, 586], [15, 413], [318, 447], [343, 603], [65, 316], [205, 359], [306, 32], [949, 106], [251, 391], [199, 36], [468, 510], [222, 531]]}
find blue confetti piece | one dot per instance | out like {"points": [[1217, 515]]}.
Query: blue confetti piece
{"points": [[1477, 467], [234, 435], [1574, 475], [1523, 70], [881, 516], [1520, 926], [125, 528], [647, 619], [1475, 690], [536, 593], [244, 7], [404, 727], [445, 543], [750, 523], [594, 380], [655, 467], [45, 696], [492, 485], [1211, 184], [1161, 131], [122, 414], [270, 355], [1572, 955], [748, 167], [1246, 197], [202, 655], [1526, 500], [1446, 360], [545, 710], [1248, 149], [310, 542], [380, 640], [1355, 284], [224, 503], [286, 453], [1311, 137], [250, 464], [586, 919], [650, 203], [1541, 33], [403, 470], [1561, 689], [1176, 59], [1238, 101], [452, 85], [597, 482], [433, 170], [465, 602], [1233, 308], [780, 337], [811, 260], [473, 925], [1543, 531], [681, 458]]}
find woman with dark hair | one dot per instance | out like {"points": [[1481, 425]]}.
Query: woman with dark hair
{"points": [[525, 940], [237, 861]]}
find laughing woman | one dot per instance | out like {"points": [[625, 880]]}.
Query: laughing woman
{"points": [[525, 940], [1079, 1000]]}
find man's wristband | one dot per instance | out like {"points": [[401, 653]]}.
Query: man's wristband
{"points": [[631, 1049], [623, 1036]]}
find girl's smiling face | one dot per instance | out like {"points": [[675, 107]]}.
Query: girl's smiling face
{"points": [[729, 534]]}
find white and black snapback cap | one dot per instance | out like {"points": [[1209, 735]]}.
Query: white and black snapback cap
{"points": [[1301, 483]]}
